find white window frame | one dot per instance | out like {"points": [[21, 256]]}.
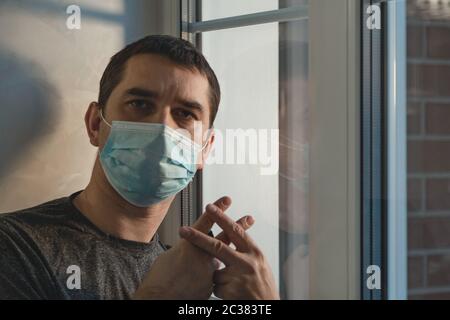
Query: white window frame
{"points": [[335, 180], [397, 143]]}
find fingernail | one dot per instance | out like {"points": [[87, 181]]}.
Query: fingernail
{"points": [[184, 231], [250, 220], [226, 201]]}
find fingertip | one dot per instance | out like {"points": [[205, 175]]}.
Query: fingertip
{"points": [[226, 201], [250, 220]]}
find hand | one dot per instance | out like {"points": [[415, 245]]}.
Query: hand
{"points": [[184, 271], [247, 274]]}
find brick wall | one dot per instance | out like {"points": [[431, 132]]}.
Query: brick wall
{"points": [[429, 149]]}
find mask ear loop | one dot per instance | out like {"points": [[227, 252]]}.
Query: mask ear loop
{"points": [[207, 138], [103, 118]]}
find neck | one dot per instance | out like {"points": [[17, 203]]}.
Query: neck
{"points": [[112, 214]]}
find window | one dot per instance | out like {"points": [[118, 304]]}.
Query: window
{"points": [[412, 239], [261, 156], [362, 118]]}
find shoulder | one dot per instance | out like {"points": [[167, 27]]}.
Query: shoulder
{"points": [[25, 273], [38, 216], [37, 228]]}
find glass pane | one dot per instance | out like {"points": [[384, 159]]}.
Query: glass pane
{"points": [[261, 154], [428, 149], [217, 9]]}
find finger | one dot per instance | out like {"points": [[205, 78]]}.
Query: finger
{"points": [[245, 222], [204, 223], [211, 245], [223, 203], [234, 231], [222, 276]]}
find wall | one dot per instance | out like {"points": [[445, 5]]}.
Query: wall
{"points": [[48, 76], [429, 150]]}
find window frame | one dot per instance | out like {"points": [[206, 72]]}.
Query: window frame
{"points": [[335, 180], [397, 244], [373, 151]]}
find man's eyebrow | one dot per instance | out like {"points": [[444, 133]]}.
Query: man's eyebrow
{"points": [[191, 104], [141, 92]]}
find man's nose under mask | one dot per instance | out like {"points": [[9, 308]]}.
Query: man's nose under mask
{"points": [[148, 162]]}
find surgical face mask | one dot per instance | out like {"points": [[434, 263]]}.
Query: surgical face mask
{"points": [[148, 162]]}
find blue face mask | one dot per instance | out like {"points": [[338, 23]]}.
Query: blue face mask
{"points": [[148, 162]]}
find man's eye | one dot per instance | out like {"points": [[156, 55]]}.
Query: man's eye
{"points": [[184, 114], [140, 104]]}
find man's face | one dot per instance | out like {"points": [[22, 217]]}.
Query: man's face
{"points": [[156, 90]]}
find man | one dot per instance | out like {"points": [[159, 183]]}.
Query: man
{"points": [[152, 125]]}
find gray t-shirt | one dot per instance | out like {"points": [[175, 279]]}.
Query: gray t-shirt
{"points": [[52, 251]]}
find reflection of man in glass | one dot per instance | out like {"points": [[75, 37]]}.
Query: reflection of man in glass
{"points": [[294, 166]]}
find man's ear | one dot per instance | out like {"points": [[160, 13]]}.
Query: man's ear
{"points": [[208, 148], [92, 121]]}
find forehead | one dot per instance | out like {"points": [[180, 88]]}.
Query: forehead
{"points": [[158, 73]]}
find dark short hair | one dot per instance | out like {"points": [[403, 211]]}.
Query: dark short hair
{"points": [[177, 50]]}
